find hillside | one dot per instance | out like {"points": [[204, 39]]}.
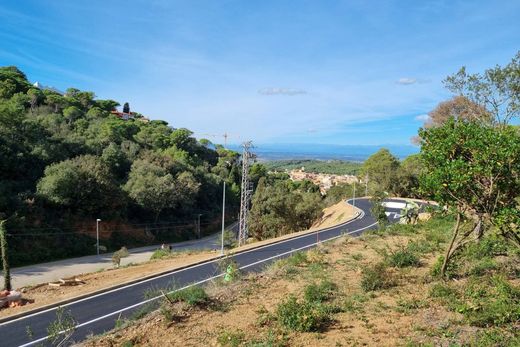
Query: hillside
{"points": [[381, 289], [333, 167], [69, 159]]}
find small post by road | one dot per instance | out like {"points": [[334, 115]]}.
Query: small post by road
{"points": [[97, 235], [223, 219], [354, 198], [198, 225]]}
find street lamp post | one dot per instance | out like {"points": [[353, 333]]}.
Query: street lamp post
{"points": [[97, 235], [223, 215]]}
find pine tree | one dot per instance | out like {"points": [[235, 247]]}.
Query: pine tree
{"points": [[126, 108]]}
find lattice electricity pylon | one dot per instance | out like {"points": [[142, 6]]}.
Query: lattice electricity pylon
{"points": [[245, 193]]}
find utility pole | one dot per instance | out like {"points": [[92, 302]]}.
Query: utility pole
{"points": [[245, 193], [97, 235], [223, 215]]}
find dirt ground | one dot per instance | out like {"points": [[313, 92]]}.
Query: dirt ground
{"points": [[334, 215], [43, 294], [375, 318]]}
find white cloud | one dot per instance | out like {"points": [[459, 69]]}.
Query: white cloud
{"points": [[406, 81], [422, 118], [281, 91]]}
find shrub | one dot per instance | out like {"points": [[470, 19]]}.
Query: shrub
{"points": [[482, 267], [376, 277], [491, 301], [231, 338], [118, 255], [451, 271], [193, 296], [297, 259], [229, 268], [403, 257], [230, 240], [161, 253], [319, 293], [302, 316]]}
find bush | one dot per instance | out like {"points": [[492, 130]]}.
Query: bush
{"points": [[297, 259], [491, 301], [193, 296], [118, 255], [484, 301], [231, 338], [451, 271], [319, 293], [482, 267], [302, 316], [403, 257], [376, 277], [160, 254]]}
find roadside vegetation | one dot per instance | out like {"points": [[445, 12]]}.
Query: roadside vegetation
{"points": [[381, 288]]}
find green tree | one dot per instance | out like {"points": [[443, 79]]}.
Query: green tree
{"points": [[84, 184], [473, 169], [497, 90], [279, 208], [72, 113], [126, 107], [338, 193], [378, 210], [35, 97], [406, 182], [154, 188], [381, 169]]}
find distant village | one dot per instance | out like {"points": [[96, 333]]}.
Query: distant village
{"points": [[324, 181]]}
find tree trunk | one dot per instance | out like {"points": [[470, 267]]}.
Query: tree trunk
{"points": [[449, 251], [5, 260]]}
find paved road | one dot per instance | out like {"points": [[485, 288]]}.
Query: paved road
{"points": [[53, 271], [97, 314]]}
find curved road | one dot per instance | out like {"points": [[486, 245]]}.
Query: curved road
{"points": [[98, 313]]}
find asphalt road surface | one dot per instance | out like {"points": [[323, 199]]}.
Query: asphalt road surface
{"points": [[98, 313]]}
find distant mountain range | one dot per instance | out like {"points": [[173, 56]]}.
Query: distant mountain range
{"points": [[268, 152]]}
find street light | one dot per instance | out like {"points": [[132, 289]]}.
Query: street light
{"points": [[97, 235]]}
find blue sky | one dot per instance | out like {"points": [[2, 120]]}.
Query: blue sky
{"points": [[342, 72]]}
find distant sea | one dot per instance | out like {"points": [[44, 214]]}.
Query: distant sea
{"points": [[268, 152]]}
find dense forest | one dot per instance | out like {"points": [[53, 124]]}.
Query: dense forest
{"points": [[69, 159], [333, 167]]}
